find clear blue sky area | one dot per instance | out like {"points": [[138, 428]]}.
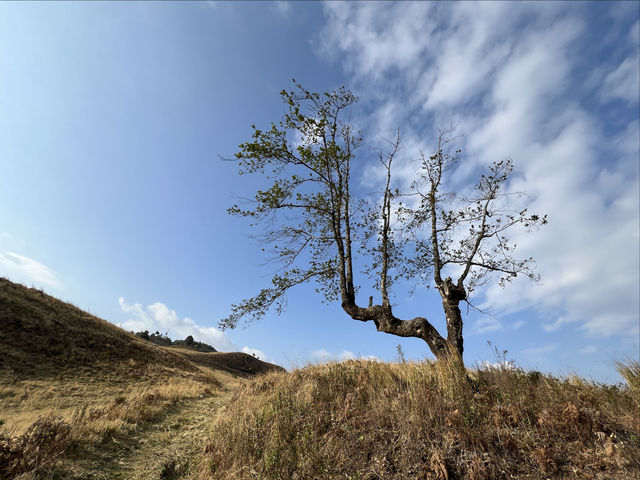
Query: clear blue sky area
{"points": [[113, 194]]}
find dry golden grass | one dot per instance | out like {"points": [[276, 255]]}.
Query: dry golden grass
{"points": [[22, 402], [630, 371], [370, 420], [82, 399], [64, 421], [78, 393]]}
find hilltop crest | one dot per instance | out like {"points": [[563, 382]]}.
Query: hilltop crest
{"points": [[42, 337]]}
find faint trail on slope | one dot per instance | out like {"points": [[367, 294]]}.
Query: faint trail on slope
{"points": [[171, 449]]}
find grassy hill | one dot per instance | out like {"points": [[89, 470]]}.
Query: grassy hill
{"points": [[42, 337], [82, 399], [69, 381], [371, 420]]}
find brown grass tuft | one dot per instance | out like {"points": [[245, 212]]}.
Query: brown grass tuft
{"points": [[36, 449], [630, 371], [372, 420]]}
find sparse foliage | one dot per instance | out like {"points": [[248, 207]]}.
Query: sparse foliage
{"points": [[313, 220]]}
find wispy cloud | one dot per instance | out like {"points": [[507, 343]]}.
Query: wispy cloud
{"points": [[589, 349], [323, 356], [283, 7], [492, 324], [487, 324], [622, 82], [538, 351], [516, 92], [25, 269]]}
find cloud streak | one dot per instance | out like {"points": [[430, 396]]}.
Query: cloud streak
{"points": [[322, 355], [26, 269], [517, 92]]}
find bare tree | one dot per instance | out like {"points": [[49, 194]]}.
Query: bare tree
{"points": [[312, 221]]}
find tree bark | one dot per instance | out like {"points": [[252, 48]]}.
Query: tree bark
{"points": [[454, 324], [385, 321], [452, 295]]}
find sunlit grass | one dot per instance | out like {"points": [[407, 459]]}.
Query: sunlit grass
{"points": [[53, 417], [372, 420], [630, 371]]}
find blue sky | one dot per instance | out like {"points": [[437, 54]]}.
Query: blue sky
{"points": [[113, 117]]}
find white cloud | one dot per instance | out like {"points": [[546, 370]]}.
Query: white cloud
{"points": [[256, 353], [376, 43], [283, 7], [25, 269], [538, 351], [634, 34], [504, 365], [589, 349], [514, 87], [372, 358], [159, 317], [487, 324], [624, 81], [323, 356]]}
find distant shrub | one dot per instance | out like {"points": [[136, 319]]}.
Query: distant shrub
{"points": [[197, 346], [164, 340], [144, 335], [160, 339]]}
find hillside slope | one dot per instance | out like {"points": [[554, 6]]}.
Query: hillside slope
{"points": [[41, 337], [424, 421], [235, 363], [81, 398]]}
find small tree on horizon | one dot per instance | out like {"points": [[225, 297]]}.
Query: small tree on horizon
{"points": [[327, 229]]}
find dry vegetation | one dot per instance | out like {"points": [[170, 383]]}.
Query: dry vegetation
{"points": [[43, 337], [83, 399], [63, 436], [80, 397], [369, 420]]}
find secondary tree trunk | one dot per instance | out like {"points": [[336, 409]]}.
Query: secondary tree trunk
{"points": [[454, 324], [452, 295]]}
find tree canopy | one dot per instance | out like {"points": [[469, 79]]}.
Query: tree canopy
{"points": [[319, 227]]}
